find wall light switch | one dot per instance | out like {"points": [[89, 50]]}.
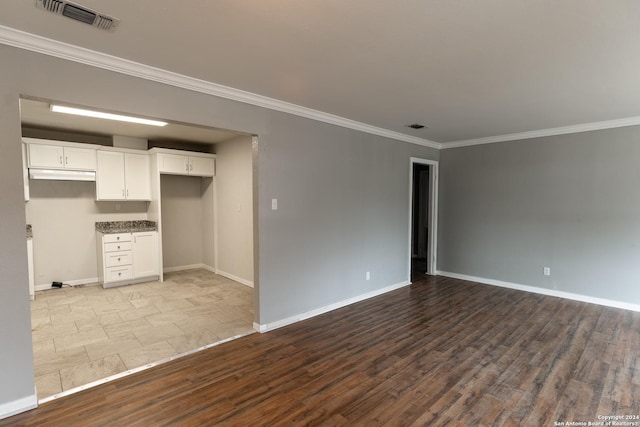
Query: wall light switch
{"points": [[546, 271], [274, 204], [368, 275]]}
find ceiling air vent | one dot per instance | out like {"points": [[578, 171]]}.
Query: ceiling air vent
{"points": [[79, 13]]}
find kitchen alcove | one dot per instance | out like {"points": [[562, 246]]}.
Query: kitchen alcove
{"points": [[187, 224]]}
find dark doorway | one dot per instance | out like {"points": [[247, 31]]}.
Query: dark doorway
{"points": [[420, 221]]}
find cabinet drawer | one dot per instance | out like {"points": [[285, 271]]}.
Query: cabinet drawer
{"points": [[119, 237], [114, 274], [117, 247], [113, 259]]}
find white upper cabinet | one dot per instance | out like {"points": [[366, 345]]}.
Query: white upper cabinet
{"points": [[173, 164], [45, 156], [110, 176], [61, 157], [202, 166], [137, 176], [182, 164], [79, 158], [123, 176]]}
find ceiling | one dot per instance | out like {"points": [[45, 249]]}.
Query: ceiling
{"points": [[464, 69]]}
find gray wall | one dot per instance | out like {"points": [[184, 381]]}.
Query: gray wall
{"points": [[16, 358], [235, 213], [182, 204], [568, 202], [343, 196]]}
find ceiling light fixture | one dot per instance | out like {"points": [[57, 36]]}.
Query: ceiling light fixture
{"points": [[107, 116]]}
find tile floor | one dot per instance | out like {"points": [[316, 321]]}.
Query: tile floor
{"points": [[83, 334]]}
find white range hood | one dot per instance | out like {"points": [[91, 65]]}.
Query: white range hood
{"points": [[61, 175]]}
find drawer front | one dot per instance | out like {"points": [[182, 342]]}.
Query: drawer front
{"points": [[114, 259], [114, 274], [119, 237], [117, 247]]}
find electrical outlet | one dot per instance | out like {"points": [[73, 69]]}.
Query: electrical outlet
{"points": [[546, 271], [274, 204], [117, 207], [368, 275]]}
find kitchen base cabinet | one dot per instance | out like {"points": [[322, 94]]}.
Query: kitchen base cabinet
{"points": [[145, 254], [126, 258]]}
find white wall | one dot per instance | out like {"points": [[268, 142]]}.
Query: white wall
{"points": [[235, 213], [63, 216]]}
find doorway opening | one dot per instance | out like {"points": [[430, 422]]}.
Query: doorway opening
{"points": [[423, 197], [85, 334]]}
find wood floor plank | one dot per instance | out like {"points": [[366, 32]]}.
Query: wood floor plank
{"points": [[439, 352]]}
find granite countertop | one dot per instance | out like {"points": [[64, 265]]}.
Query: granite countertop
{"points": [[111, 227], [29, 232]]}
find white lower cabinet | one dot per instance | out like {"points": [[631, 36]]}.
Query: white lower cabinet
{"points": [[145, 254], [125, 258]]}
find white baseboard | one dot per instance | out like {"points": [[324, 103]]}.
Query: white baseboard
{"points": [[543, 291], [15, 407], [77, 282], [211, 269], [185, 267], [316, 312], [235, 278], [208, 267]]}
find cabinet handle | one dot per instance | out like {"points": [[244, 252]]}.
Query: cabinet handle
{"points": [[119, 274], [118, 238], [118, 246], [190, 166], [61, 160], [127, 192], [118, 259], [186, 165], [66, 160]]}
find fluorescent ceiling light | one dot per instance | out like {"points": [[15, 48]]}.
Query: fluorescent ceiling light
{"points": [[108, 116]]}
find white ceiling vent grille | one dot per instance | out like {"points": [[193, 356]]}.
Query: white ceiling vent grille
{"points": [[79, 13]]}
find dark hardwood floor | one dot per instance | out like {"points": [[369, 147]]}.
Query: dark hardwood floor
{"points": [[440, 352]]}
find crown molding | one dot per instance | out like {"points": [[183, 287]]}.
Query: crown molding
{"points": [[586, 127], [27, 41]]}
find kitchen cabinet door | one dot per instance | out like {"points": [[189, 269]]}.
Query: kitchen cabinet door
{"points": [[146, 257], [137, 176], [110, 183], [173, 164], [79, 158], [202, 166], [46, 156]]}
